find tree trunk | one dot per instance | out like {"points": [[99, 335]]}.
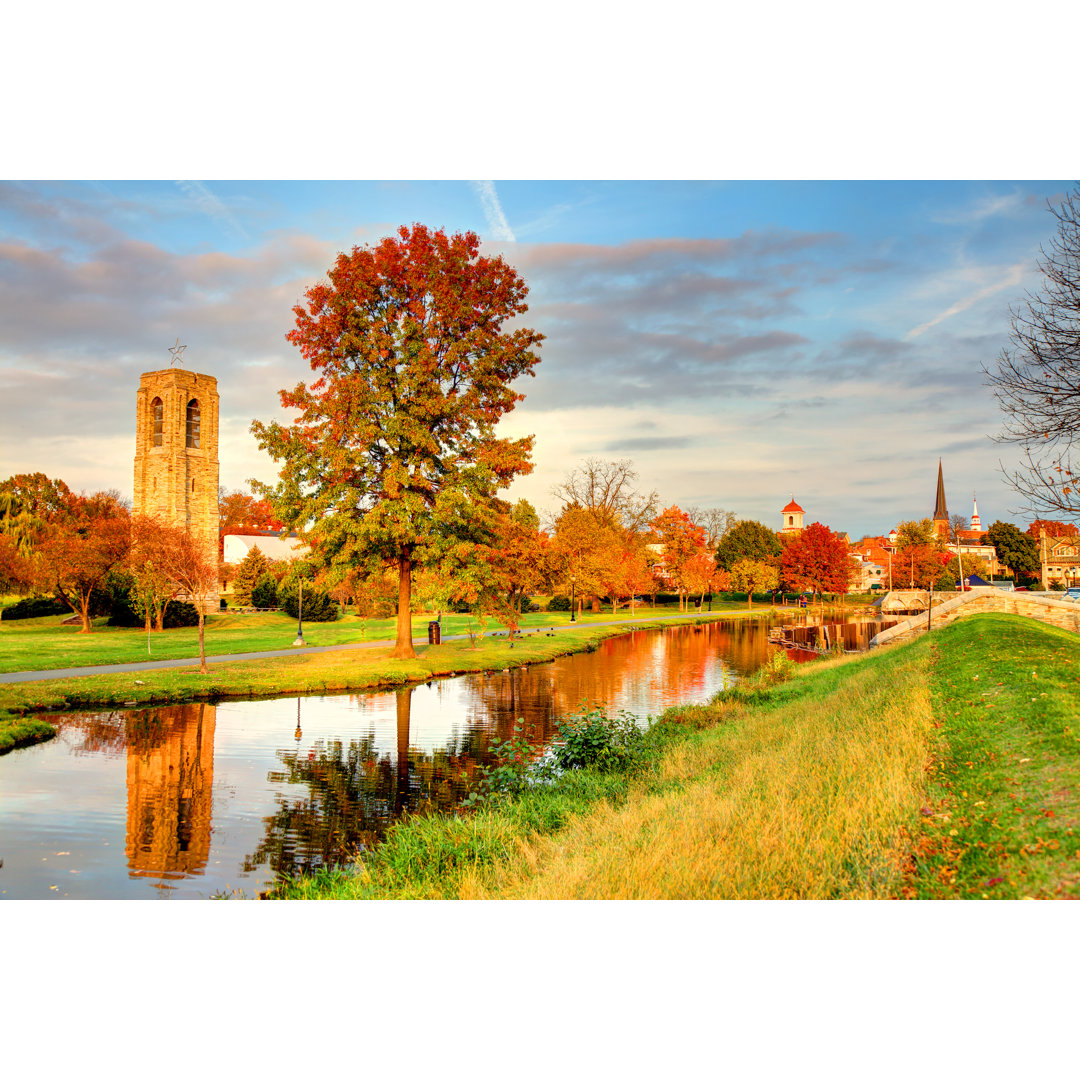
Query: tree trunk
{"points": [[202, 645], [403, 647], [84, 613]]}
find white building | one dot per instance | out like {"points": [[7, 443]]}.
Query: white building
{"points": [[272, 545]]}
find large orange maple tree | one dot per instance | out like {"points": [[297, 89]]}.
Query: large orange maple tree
{"points": [[394, 453]]}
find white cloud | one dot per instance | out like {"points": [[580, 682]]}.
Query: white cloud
{"points": [[493, 211]]}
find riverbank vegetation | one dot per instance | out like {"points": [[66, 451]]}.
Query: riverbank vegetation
{"points": [[945, 767]]}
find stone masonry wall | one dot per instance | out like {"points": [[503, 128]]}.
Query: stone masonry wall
{"points": [[1063, 613], [175, 482]]}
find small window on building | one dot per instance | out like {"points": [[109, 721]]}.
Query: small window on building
{"points": [[159, 415], [790, 520], [193, 424]]}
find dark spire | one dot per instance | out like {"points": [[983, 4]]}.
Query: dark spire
{"points": [[940, 511]]}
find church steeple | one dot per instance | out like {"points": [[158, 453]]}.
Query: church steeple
{"points": [[941, 511], [976, 524]]}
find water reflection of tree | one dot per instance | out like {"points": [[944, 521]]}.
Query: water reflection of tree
{"points": [[353, 794], [112, 733], [646, 669]]}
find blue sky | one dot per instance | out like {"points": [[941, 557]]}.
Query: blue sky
{"points": [[739, 341]]}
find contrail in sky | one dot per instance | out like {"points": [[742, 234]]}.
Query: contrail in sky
{"points": [[1014, 277], [210, 204], [493, 211]]}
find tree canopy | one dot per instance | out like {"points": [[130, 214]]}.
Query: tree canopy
{"points": [[817, 559], [607, 489], [747, 540], [915, 533], [394, 454], [1016, 550], [1051, 528]]}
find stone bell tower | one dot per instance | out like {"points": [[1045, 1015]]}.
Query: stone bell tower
{"points": [[176, 455]]}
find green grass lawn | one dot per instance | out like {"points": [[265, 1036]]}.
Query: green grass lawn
{"points": [[43, 644], [1002, 812], [945, 767]]}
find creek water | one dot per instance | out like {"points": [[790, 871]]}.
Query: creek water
{"points": [[196, 800]]}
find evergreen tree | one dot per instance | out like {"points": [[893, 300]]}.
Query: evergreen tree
{"points": [[265, 592], [248, 573]]}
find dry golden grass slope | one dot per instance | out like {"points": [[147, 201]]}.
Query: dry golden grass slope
{"points": [[804, 795]]}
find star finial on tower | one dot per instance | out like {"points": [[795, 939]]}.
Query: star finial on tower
{"points": [[177, 353]]}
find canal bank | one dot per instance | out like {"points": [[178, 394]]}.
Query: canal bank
{"points": [[946, 767]]}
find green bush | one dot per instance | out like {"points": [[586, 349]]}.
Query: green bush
{"points": [[34, 607], [559, 603], [265, 592], [318, 606], [591, 740], [179, 613]]}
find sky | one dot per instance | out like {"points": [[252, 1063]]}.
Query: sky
{"points": [[740, 342]]}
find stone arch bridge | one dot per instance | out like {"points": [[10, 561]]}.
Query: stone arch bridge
{"points": [[1063, 613]]}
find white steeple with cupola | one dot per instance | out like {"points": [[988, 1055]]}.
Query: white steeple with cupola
{"points": [[976, 524]]}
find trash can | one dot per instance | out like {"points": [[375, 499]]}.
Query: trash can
{"points": [[434, 632]]}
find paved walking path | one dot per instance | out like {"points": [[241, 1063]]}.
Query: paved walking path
{"points": [[152, 665]]}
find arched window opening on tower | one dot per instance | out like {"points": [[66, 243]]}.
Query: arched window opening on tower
{"points": [[159, 415], [193, 424]]}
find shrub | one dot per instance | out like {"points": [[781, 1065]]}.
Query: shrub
{"points": [[265, 592], [559, 603], [179, 613], [591, 740], [34, 607], [778, 668], [318, 606]]}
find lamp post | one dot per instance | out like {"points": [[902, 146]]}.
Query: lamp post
{"points": [[573, 597], [300, 617]]}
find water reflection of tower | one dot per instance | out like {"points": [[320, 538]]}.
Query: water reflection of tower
{"points": [[170, 780]]}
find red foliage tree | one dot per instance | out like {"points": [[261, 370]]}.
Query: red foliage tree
{"points": [[919, 566], [394, 454], [1053, 528], [817, 559], [80, 546], [683, 543]]}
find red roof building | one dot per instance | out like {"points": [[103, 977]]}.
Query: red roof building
{"points": [[792, 518]]}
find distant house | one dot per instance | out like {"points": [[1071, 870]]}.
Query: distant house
{"points": [[272, 544], [1059, 557]]}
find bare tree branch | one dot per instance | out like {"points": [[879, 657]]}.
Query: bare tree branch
{"points": [[1037, 379]]}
